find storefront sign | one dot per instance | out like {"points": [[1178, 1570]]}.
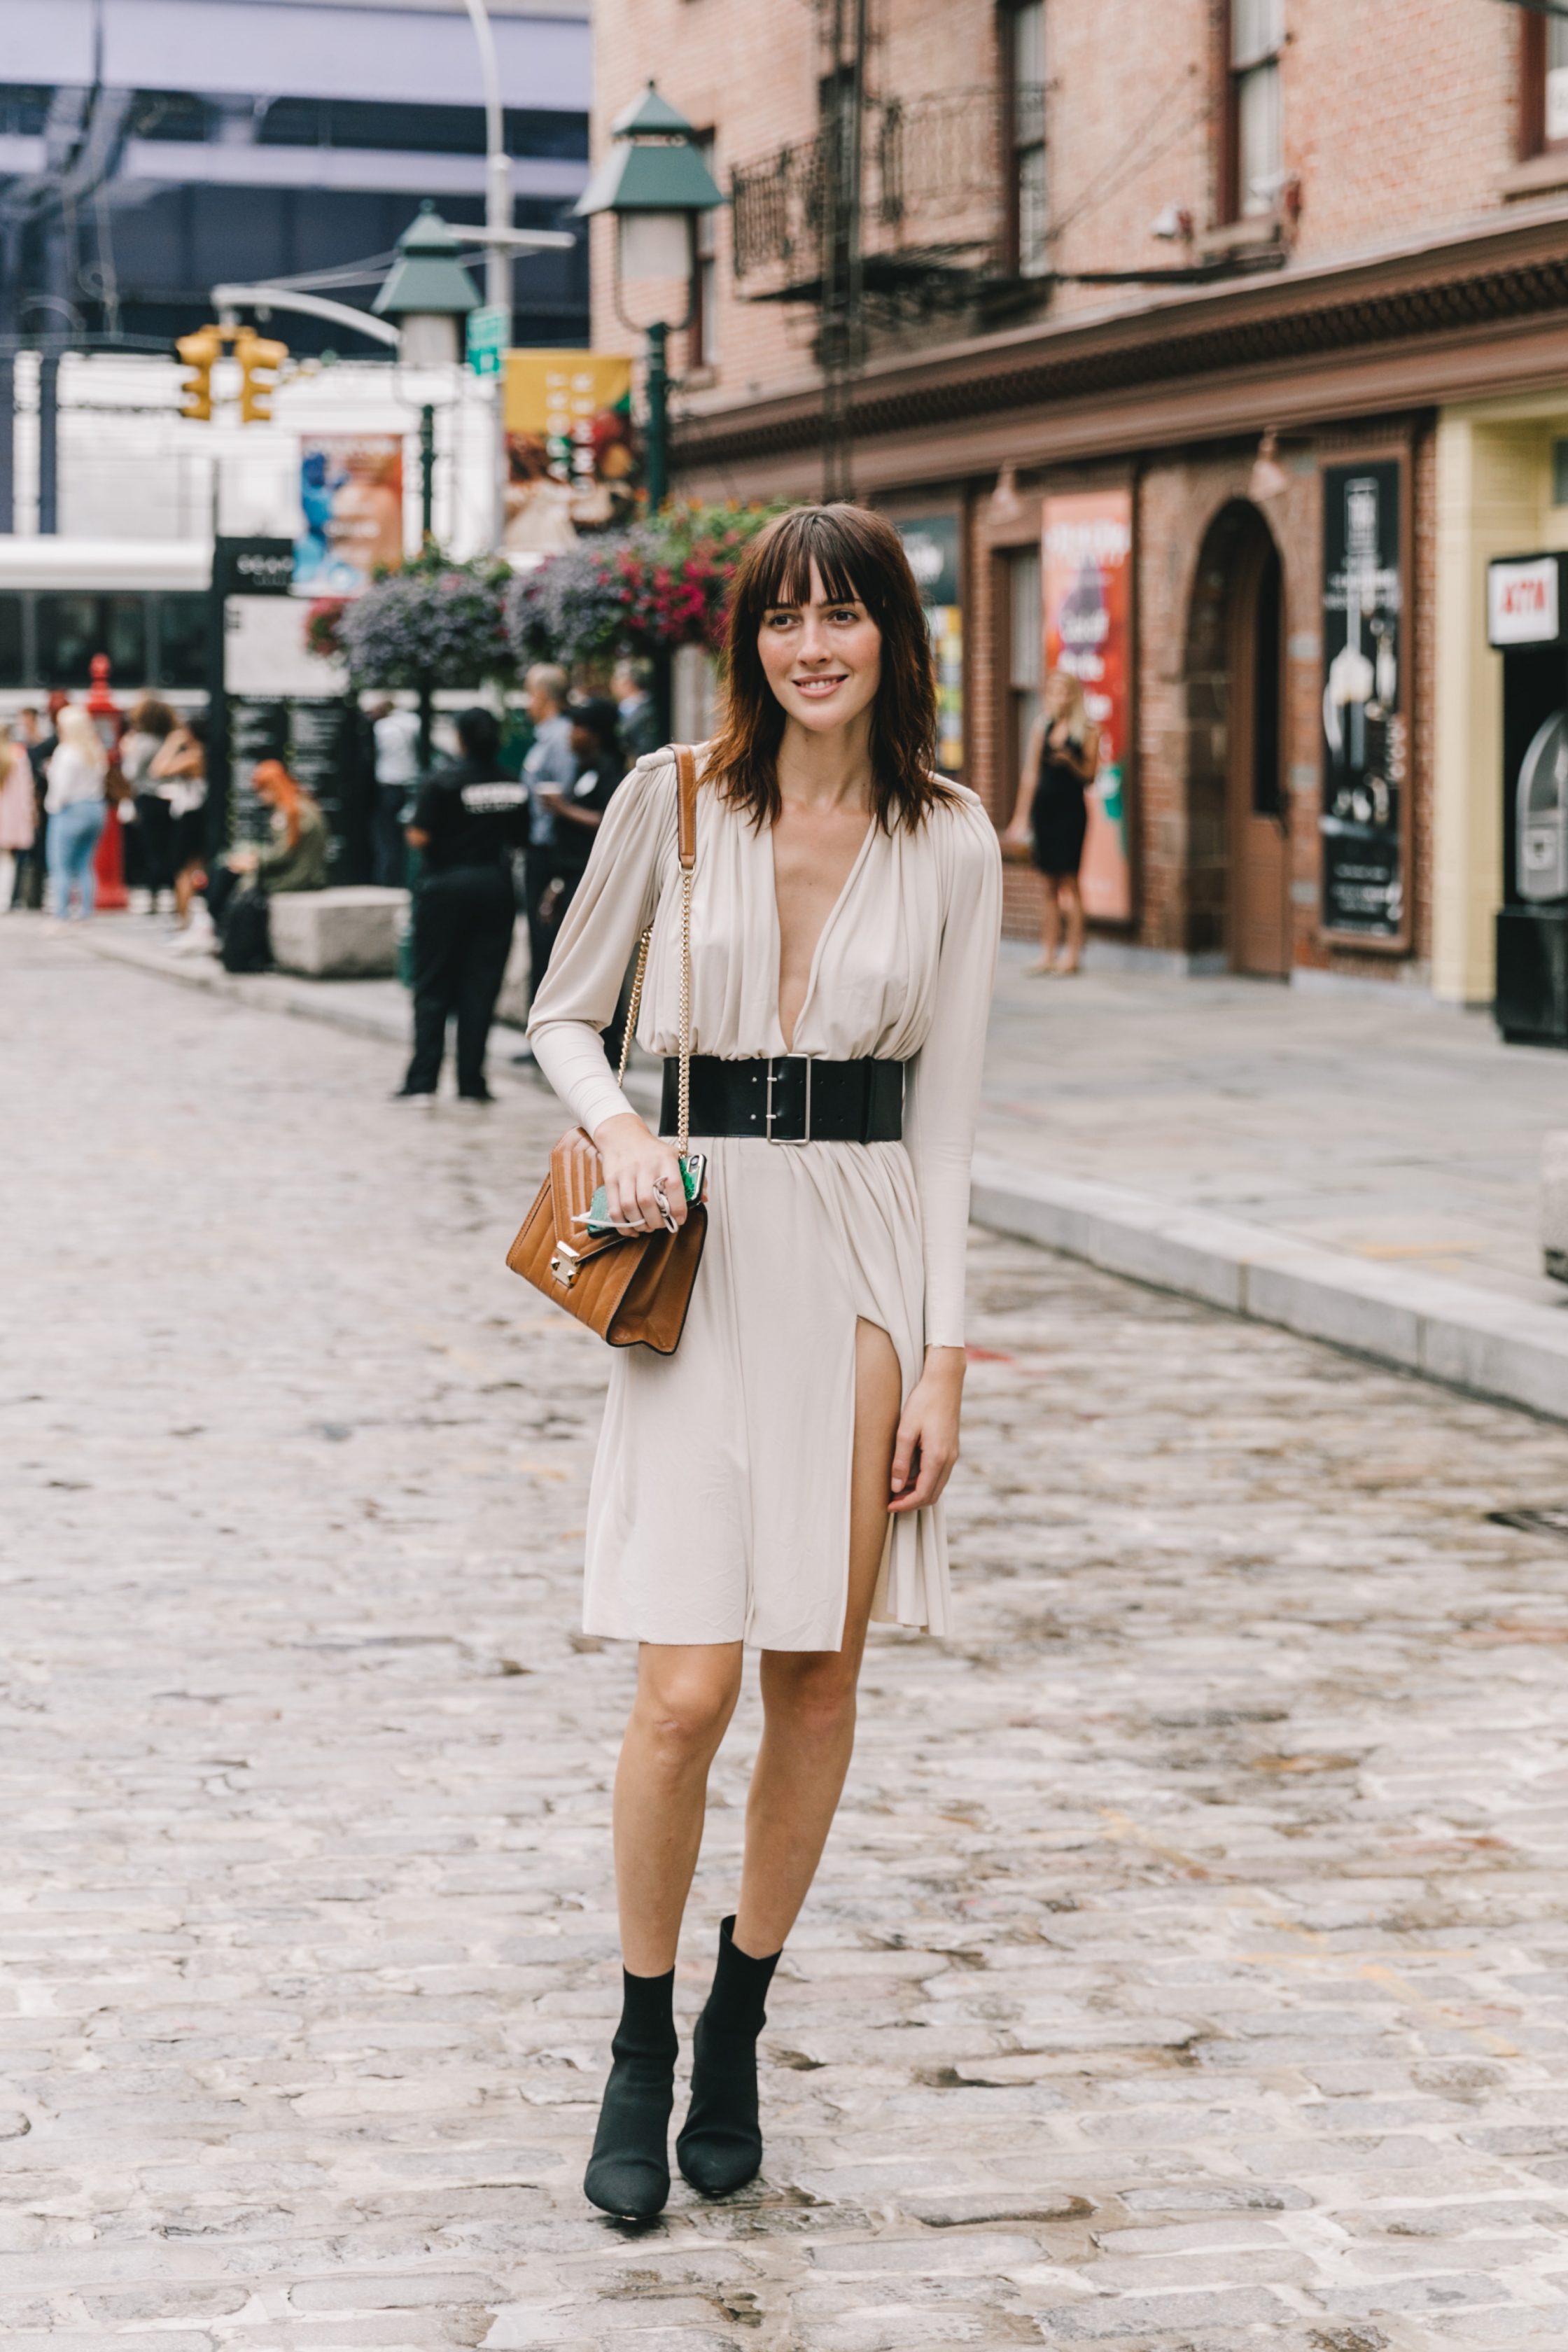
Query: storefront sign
{"points": [[931, 543], [571, 462], [350, 496], [1365, 731], [1524, 601], [1086, 571]]}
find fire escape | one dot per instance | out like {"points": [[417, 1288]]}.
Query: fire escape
{"points": [[895, 213]]}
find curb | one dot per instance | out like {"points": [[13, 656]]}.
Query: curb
{"points": [[1489, 1346]]}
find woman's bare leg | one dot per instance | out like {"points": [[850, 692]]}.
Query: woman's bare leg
{"points": [[808, 1695], [1050, 927], [1074, 898], [685, 1696]]}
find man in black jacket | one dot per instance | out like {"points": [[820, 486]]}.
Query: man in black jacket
{"points": [[466, 822]]}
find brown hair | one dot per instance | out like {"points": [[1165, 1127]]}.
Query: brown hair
{"points": [[287, 794], [858, 556]]}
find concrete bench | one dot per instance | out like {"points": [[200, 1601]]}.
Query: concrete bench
{"points": [[1554, 1204], [347, 934]]}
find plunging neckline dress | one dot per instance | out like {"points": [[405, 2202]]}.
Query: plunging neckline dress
{"points": [[720, 1505]]}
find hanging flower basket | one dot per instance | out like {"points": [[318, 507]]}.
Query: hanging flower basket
{"points": [[323, 621], [433, 623], [646, 591]]}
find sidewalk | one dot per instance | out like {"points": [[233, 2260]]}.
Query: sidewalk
{"points": [[1361, 1167]]}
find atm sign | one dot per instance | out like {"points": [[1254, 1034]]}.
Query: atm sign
{"points": [[1524, 603]]}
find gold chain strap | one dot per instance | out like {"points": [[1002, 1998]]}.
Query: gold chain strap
{"points": [[635, 1007]]}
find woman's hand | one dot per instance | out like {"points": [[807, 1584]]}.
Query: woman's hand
{"points": [[926, 1446], [638, 1169]]}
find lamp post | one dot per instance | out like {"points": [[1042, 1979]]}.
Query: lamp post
{"points": [[657, 186], [427, 295]]}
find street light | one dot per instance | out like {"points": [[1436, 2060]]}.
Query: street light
{"points": [[427, 292], [656, 186]]}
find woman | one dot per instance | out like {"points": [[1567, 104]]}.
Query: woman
{"points": [[180, 766], [577, 807], [468, 821], [78, 767], [777, 1479], [17, 815], [1059, 765], [147, 729]]}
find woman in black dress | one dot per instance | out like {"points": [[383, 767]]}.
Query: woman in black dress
{"points": [[1052, 814]]}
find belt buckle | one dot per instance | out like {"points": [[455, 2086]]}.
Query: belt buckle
{"points": [[768, 1105]]}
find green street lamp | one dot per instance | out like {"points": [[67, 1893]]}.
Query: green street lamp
{"points": [[427, 292], [657, 186]]}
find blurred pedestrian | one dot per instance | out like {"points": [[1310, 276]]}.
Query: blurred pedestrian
{"points": [[640, 730], [38, 738], [17, 820], [180, 765], [239, 883], [78, 768], [469, 820], [577, 807], [147, 729], [550, 762], [1051, 814], [395, 732]]}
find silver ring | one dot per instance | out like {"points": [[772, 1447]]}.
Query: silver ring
{"points": [[658, 1194]]}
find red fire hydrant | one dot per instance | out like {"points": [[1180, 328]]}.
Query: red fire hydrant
{"points": [[108, 860]]}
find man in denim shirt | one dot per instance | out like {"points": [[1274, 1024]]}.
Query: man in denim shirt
{"points": [[551, 767]]}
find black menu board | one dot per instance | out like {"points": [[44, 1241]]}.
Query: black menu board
{"points": [[1365, 727], [319, 740]]}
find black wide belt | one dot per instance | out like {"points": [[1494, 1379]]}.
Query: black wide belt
{"points": [[789, 1098]]}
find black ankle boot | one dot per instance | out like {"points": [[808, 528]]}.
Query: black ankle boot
{"points": [[721, 2145], [628, 2172]]}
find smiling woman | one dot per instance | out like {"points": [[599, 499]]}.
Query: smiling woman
{"points": [[778, 1479]]}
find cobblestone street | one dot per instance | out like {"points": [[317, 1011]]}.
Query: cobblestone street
{"points": [[1189, 1967]]}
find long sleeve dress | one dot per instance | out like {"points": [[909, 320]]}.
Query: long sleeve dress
{"points": [[720, 1506]]}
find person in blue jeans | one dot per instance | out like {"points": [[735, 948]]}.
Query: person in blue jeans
{"points": [[77, 766]]}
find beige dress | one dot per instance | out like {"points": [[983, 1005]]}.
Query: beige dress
{"points": [[719, 1508]]}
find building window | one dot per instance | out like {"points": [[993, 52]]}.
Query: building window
{"points": [[1025, 656], [703, 350], [1546, 82], [1023, 64], [1255, 147]]}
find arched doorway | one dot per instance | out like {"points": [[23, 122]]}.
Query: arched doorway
{"points": [[1237, 808]]}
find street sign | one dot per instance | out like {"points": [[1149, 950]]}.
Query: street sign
{"points": [[488, 334]]}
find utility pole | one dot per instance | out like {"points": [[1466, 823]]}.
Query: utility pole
{"points": [[48, 437], [840, 333], [426, 542]]}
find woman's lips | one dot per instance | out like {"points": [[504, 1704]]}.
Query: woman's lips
{"points": [[819, 687]]}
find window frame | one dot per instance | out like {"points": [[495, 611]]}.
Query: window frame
{"points": [[1016, 146], [702, 338], [1232, 205], [1534, 68]]}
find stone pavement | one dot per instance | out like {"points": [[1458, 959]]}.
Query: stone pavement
{"points": [[1357, 1168], [1371, 1122], [1187, 1971]]}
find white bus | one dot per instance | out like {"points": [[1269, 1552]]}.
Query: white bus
{"points": [[141, 602]]}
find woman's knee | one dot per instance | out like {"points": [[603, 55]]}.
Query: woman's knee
{"points": [[814, 1694], [684, 1709]]}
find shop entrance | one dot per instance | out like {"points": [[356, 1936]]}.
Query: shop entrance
{"points": [[1235, 670]]}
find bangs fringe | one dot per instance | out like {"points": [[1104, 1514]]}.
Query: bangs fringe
{"points": [[808, 538]]}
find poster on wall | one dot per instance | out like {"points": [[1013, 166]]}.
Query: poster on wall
{"points": [[350, 499], [1086, 580], [1365, 727], [571, 458], [931, 543]]}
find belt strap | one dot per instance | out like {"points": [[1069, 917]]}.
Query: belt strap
{"points": [[790, 1099]]}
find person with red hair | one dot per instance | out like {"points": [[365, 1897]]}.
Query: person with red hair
{"points": [[294, 859]]}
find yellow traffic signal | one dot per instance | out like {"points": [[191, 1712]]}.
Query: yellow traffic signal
{"points": [[199, 352], [259, 361]]}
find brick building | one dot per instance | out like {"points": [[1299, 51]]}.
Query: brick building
{"points": [[1209, 348]]}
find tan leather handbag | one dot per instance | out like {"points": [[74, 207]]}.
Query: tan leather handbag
{"points": [[633, 1289]]}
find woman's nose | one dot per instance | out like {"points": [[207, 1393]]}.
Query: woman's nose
{"points": [[813, 643]]}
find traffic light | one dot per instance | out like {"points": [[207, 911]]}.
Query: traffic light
{"points": [[199, 352], [259, 361]]}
